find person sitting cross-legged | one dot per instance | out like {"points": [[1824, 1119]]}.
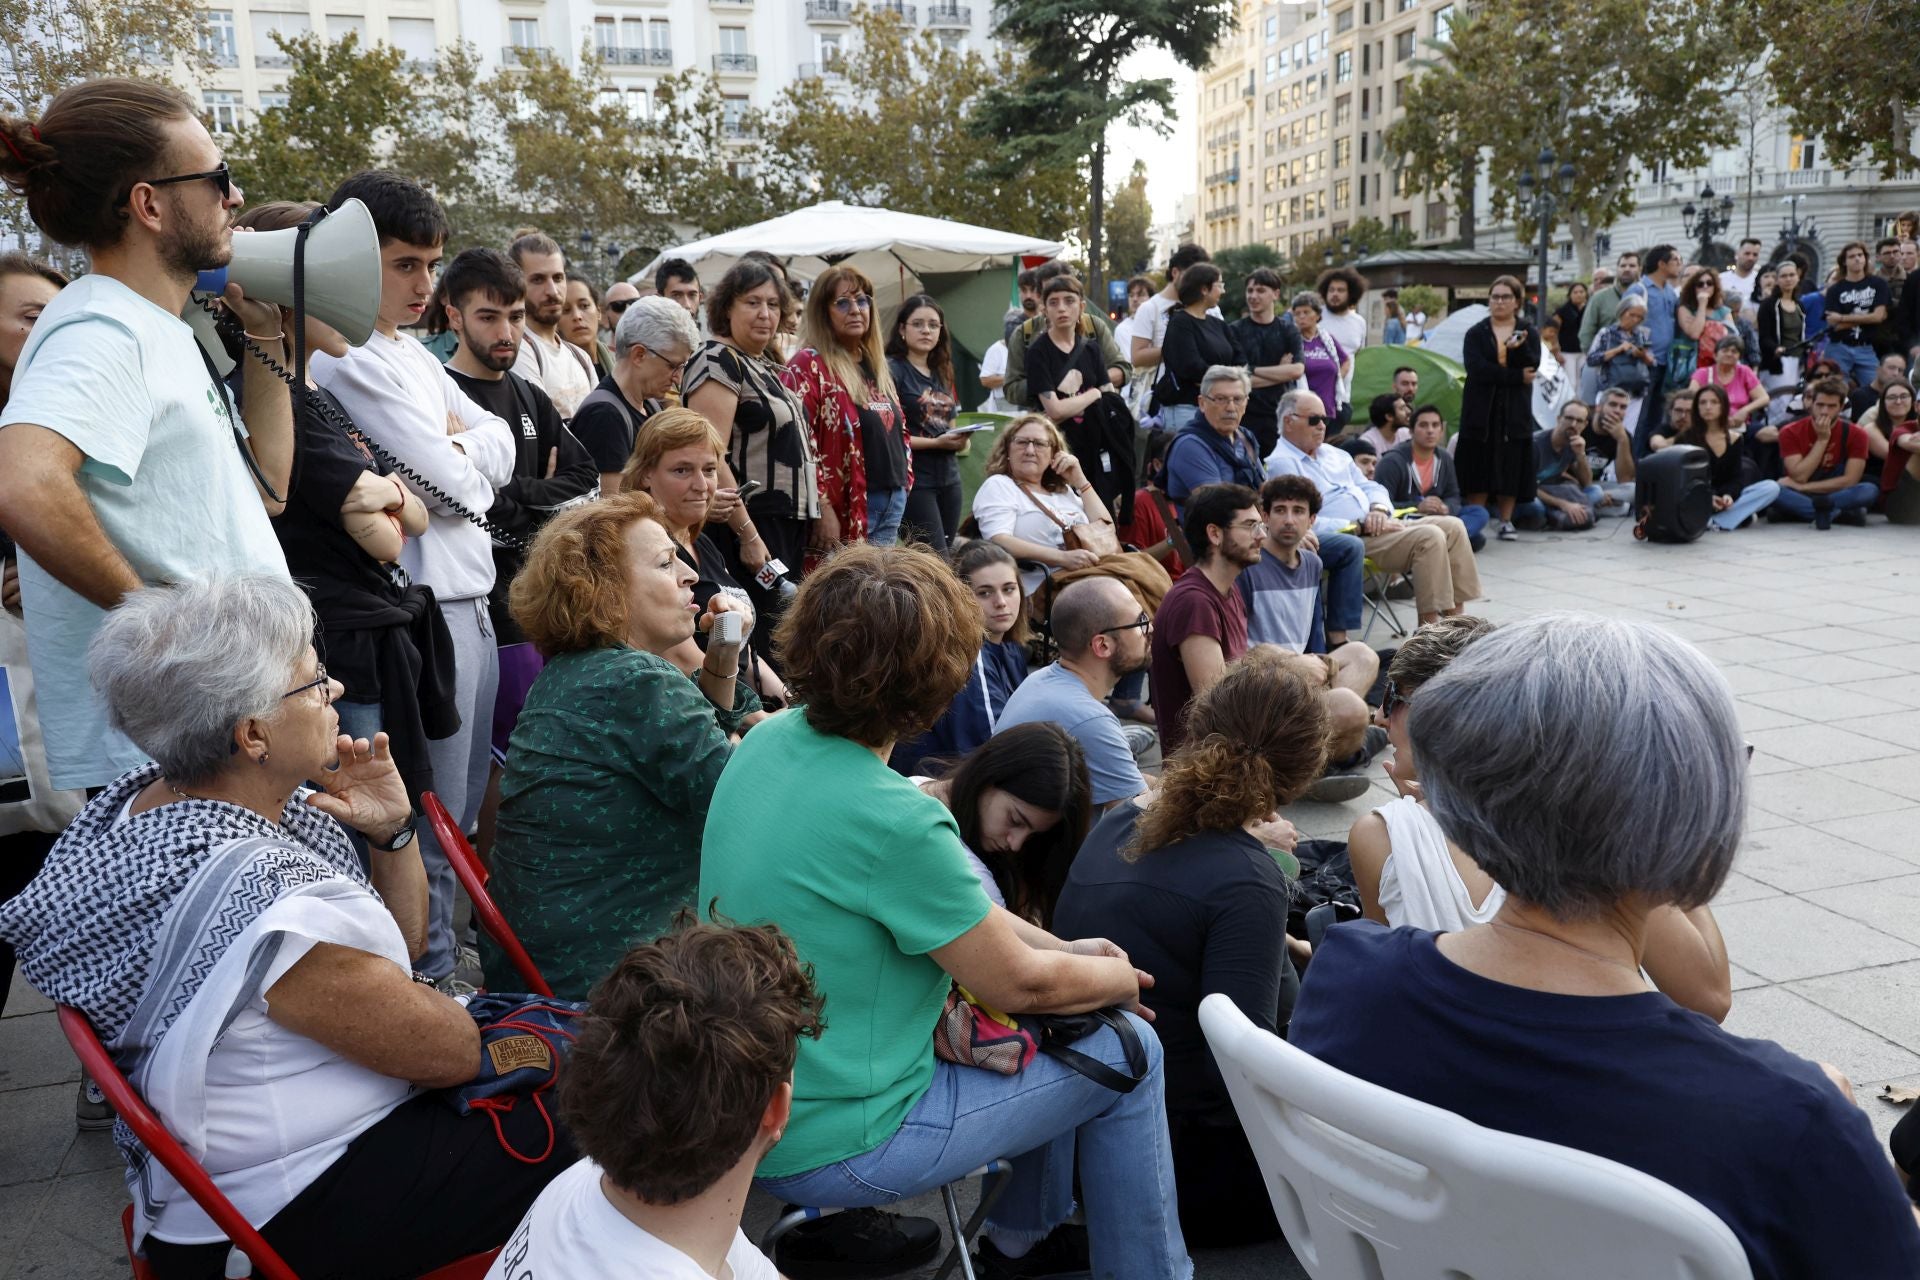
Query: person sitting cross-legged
{"points": [[1540, 1022], [1565, 496], [680, 1081], [1418, 472], [1214, 447], [1201, 625], [1824, 461], [1432, 550]]}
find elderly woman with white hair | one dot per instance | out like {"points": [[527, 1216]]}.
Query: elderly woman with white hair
{"points": [[1214, 447], [652, 343], [208, 915], [1552, 752]]}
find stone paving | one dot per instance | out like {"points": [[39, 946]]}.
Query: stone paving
{"points": [[1815, 631]]}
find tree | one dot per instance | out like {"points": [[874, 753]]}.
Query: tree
{"points": [[698, 163], [891, 128], [52, 43], [1608, 85], [345, 106], [1130, 225], [1055, 113], [1365, 236], [1837, 83], [1236, 264], [454, 144]]}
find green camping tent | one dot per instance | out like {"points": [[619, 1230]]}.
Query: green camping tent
{"points": [[1441, 380]]}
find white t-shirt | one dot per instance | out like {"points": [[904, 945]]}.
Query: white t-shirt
{"points": [[573, 1232], [402, 397], [558, 368], [994, 365], [1350, 331], [1001, 506], [123, 381], [1731, 280]]}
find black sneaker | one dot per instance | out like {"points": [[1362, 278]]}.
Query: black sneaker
{"points": [[856, 1243], [1063, 1253], [1855, 516]]}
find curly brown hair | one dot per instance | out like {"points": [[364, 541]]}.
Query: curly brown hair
{"points": [[680, 1051], [878, 641], [1256, 739], [572, 593]]}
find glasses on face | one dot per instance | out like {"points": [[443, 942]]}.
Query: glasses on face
{"points": [[851, 303], [620, 307], [1391, 700], [319, 682], [1501, 297], [1248, 526], [1311, 419], [1228, 402], [923, 326], [677, 367], [1142, 624], [1028, 442], [221, 178]]}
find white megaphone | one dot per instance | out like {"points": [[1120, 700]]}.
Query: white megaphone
{"points": [[342, 277]]}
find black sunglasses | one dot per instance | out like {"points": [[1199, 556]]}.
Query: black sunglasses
{"points": [[1391, 699], [1311, 419], [221, 178], [620, 306]]}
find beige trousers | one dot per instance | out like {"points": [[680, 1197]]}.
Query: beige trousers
{"points": [[1434, 552]]}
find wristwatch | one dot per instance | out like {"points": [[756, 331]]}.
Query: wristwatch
{"points": [[401, 839]]}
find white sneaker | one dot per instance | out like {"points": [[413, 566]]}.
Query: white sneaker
{"points": [[1506, 532]]}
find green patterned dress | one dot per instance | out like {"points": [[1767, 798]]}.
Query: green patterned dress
{"points": [[609, 772]]}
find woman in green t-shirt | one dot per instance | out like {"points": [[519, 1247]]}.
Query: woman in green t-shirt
{"points": [[615, 756], [811, 830]]}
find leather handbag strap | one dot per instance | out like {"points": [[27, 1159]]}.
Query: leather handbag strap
{"points": [[1045, 509]]}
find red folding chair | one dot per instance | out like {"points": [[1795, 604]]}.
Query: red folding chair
{"points": [[146, 1126], [473, 878]]}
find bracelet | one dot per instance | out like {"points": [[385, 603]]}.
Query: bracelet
{"points": [[752, 536], [720, 675], [276, 337], [1083, 488]]}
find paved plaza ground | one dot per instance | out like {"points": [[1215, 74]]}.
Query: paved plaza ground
{"points": [[1816, 633]]}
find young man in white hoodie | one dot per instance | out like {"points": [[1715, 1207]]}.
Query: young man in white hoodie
{"points": [[453, 454]]}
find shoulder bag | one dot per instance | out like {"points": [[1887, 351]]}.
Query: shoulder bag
{"points": [[1097, 536]]}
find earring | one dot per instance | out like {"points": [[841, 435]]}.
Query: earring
{"points": [[263, 757]]}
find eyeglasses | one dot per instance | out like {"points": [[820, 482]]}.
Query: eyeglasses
{"points": [[1391, 699], [319, 682], [619, 307], [221, 178], [1028, 442], [675, 366], [1311, 419], [1248, 526], [923, 326], [1142, 623], [851, 303], [1228, 402]]}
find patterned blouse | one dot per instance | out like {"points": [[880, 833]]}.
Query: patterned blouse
{"points": [[601, 810], [834, 421], [770, 442]]}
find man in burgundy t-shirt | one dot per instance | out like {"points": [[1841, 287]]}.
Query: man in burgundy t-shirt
{"points": [[1202, 623], [1824, 461]]}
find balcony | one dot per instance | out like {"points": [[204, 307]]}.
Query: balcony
{"points": [[833, 70], [731, 4], [735, 130], [619, 56], [272, 61], [1223, 212], [907, 13], [950, 15], [524, 55], [222, 59], [835, 11], [735, 63]]}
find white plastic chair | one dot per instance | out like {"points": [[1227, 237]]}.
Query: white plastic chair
{"points": [[1370, 1185]]}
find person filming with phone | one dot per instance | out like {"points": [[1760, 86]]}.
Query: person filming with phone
{"points": [[122, 460]]}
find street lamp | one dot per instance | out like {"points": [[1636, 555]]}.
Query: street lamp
{"points": [[586, 250], [1538, 198], [1602, 247], [1707, 220], [1790, 225]]}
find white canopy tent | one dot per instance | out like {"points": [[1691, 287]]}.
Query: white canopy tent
{"points": [[893, 249]]}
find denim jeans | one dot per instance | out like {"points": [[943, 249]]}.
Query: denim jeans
{"points": [[1475, 518], [1534, 512], [1041, 1118], [1753, 499], [885, 509], [1800, 505], [1175, 417], [1344, 556], [359, 720], [1858, 361], [461, 764]]}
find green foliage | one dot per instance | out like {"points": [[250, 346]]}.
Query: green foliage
{"points": [[1368, 235], [1608, 85], [345, 107], [52, 43], [1236, 264], [1839, 80], [1129, 226], [892, 130], [1423, 297], [698, 167]]}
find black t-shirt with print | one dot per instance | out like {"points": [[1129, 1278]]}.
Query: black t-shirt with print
{"points": [[1856, 297], [929, 407]]}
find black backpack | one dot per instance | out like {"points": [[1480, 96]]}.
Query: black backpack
{"points": [[1673, 494]]}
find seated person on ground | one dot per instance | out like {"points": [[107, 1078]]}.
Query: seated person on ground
{"points": [[680, 1081], [1609, 438], [1824, 462], [1900, 477], [1389, 416], [615, 757], [1033, 493], [1103, 634], [991, 575], [1021, 802], [1679, 416], [1539, 1022], [1565, 496], [870, 880], [1201, 626], [1409, 873], [1713, 428], [210, 918], [1418, 472], [1183, 880], [1149, 529], [1433, 550]]}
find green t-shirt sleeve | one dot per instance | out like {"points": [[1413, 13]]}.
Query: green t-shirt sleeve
{"points": [[919, 887]]}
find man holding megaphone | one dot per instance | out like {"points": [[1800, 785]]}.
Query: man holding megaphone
{"points": [[122, 461]]}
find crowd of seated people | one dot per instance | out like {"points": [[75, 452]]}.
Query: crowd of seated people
{"points": [[885, 779]]}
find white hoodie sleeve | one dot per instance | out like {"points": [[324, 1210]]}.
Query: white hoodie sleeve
{"points": [[488, 442], [410, 426]]}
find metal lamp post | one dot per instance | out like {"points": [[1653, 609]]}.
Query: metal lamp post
{"points": [[1538, 198], [586, 251], [1707, 220], [1790, 225]]}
